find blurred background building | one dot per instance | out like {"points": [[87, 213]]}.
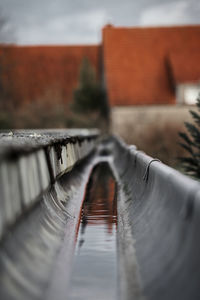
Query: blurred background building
{"points": [[61, 67], [137, 66]]}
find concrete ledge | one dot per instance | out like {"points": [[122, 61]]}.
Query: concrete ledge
{"points": [[31, 160], [36, 257]]}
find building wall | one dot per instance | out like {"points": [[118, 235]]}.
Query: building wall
{"points": [[154, 129], [141, 118]]}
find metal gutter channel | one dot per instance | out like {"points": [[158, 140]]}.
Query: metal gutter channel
{"points": [[35, 259], [158, 225], [162, 208]]}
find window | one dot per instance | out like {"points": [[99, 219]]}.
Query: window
{"points": [[187, 93]]}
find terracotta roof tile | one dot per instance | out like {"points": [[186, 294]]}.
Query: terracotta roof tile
{"points": [[136, 62], [141, 65], [185, 66], [35, 69]]}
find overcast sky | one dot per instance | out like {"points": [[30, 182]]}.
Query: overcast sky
{"points": [[80, 21]]}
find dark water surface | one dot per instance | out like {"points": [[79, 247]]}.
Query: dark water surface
{"points": [[94, 274]]}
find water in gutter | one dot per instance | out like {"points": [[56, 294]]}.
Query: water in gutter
{"points": [[94, 274]]}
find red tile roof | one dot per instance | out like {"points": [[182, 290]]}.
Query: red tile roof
{"points": [[141, 65], [185, 66], [33, 70], [136, 62]]}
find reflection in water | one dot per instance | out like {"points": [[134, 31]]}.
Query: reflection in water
{"points": [[94, 274]]}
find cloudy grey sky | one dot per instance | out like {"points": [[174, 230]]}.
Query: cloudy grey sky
{"points": [[80, 21]]}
